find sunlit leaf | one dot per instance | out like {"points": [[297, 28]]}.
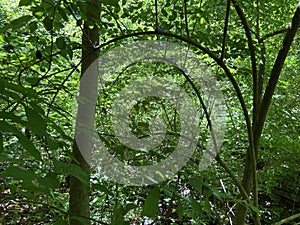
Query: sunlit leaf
{"points": [[17, 23]]}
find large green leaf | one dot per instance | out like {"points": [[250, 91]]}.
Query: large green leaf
{"points": [[17, 23], [150, 207], [36, 123], [19, 173], [29, 179], [118, 216], [29, 146], [50, 180], [71, 169], [196, 206], [12, 117], [4, 84]]}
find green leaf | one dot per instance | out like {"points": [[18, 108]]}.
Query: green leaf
{"points": [[61, 43], [253, 208], [63, 14], [33, 26], [36, 107], [217, 195], [27, 144], [24, 2], [47, 5], [17, 88], [77, 172], [248, 205], [51, 143], [72, 169], [60, 222], [36, 122], [103, 189], [197, 184], [47, 23], [33, 80], [12, 117], [180, 211], [150, 208], [110, 2], [51, 181], [118, 216], [19, 173], [207, 207], [21, 21], [7, 128], [130, 206], [196, 206]]}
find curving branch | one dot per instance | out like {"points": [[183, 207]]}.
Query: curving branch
{"points": [[252, 54], [216, 59], [288, 219], [206, 51], [225, 29], [203, 49]]}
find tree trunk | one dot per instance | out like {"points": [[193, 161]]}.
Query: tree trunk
{"points": [[79, 191], [260, 118]]}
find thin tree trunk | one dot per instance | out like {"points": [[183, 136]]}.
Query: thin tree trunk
{"points": [[260, 119], [79, 191]]}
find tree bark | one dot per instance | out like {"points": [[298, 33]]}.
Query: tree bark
{"points": [[79, 209]]}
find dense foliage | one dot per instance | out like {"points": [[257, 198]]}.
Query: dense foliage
{"points": [[240, 41]]}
